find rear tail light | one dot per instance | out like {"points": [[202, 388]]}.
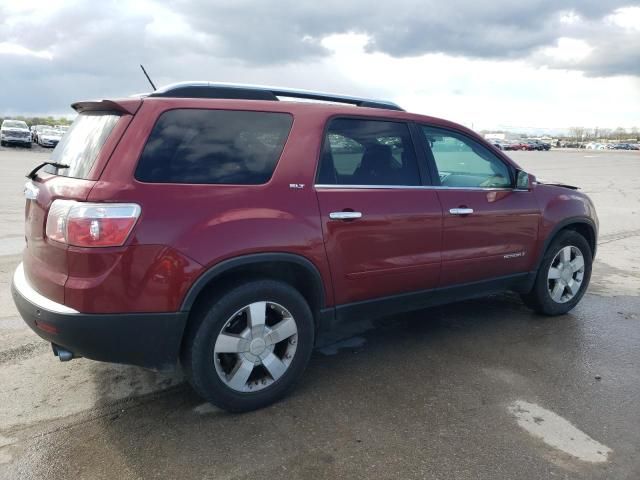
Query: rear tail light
{"points": [[91, 224]]}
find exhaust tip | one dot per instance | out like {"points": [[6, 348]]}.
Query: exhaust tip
{"points": [[61, 353]]}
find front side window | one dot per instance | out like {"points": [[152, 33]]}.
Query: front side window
{"points": [[368, 152], [214, 147], [462, 162]]}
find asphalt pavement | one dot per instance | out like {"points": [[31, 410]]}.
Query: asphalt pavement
{"points": [[482, 389]]}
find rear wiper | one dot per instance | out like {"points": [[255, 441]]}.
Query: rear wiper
{"points": [[32, 173]]}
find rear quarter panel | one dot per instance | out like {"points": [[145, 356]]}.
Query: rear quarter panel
{"points": [[212, 223]]}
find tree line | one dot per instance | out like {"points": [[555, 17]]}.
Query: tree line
{"points": [[40, 120], [582, 134]]}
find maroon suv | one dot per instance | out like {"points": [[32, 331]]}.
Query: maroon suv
{"points": [[217, 226]]}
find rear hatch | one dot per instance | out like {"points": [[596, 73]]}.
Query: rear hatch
{"points": [[84, 150]]}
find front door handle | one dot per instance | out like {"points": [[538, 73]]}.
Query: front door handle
{"points": [[345, 215], [461, 211]]}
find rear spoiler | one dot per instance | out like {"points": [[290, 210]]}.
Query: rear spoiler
{"points": [[127, 106]]}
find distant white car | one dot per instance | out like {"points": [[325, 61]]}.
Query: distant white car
{"points": [[15, 132], [49, 137]]}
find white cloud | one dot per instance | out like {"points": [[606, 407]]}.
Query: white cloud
{"points": [[485, 63], [569, 50], [627, 17], [485, 93], [8, 48]]}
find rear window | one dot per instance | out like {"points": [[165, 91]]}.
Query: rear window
{"points": [[80, 145], [214, 147]]}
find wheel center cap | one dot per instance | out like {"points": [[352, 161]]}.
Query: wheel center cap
{"points": [[257, 346], [566, 274]]}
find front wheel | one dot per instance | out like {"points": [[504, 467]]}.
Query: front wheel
{"points": [[563, 275], [249, 346]]}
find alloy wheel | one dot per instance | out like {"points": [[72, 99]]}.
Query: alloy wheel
{"points": [[566, 274], [255, 346]]}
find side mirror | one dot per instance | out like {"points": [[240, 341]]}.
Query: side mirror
{"points": [[522, 181]]}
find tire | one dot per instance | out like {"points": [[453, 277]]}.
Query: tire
{"points": [[541, 298], [218, 377]]}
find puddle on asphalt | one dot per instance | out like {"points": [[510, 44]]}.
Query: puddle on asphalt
{"points": [[206, 408], [5, 456], [353, 342], [558, 433]]}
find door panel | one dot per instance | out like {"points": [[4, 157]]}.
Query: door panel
{"points": [[369, 169], [393, 248], [489, 228], [497, 239]]}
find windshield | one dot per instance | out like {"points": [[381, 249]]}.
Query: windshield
{"points": [[81, 144], [13, 124], [50, 131]]}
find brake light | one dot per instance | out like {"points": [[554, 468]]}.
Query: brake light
{"points": [[91, 224]]}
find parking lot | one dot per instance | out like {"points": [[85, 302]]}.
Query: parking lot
{"points": [[483, 389]]}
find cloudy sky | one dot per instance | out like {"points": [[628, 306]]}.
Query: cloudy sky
{"points": [[483, 63]]}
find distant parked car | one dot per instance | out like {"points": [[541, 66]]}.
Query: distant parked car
{"points": [[36, 131], [540, 145], [49, 137], [16, 132], [522, 145], [624, 146]]}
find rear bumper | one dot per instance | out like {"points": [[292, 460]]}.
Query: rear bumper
{"points": [[149, 340]]}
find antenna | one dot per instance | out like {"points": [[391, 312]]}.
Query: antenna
{"points": [[148, 78]]}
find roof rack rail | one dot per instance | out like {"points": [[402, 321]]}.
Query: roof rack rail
{"points": [[258, 92]]}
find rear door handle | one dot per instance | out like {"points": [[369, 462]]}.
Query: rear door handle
{"points": [[345, 215], [461, 211]]}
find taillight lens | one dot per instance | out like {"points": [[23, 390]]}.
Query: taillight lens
{"points": [[91, 224]]}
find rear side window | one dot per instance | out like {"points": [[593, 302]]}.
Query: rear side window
{"points": [[368, 152], [214, 147], [80, 145]]}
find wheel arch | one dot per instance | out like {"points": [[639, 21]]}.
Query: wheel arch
{"points": [[293, 269], [582, 225]]}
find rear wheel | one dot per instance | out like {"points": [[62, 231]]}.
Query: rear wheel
{"points": [[250, 345], [563, 275]]}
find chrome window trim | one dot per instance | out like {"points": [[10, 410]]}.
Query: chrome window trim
{"points": [[412, 187], [21, 284]]}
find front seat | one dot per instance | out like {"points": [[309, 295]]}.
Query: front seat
{"points": [[376, 166]]}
